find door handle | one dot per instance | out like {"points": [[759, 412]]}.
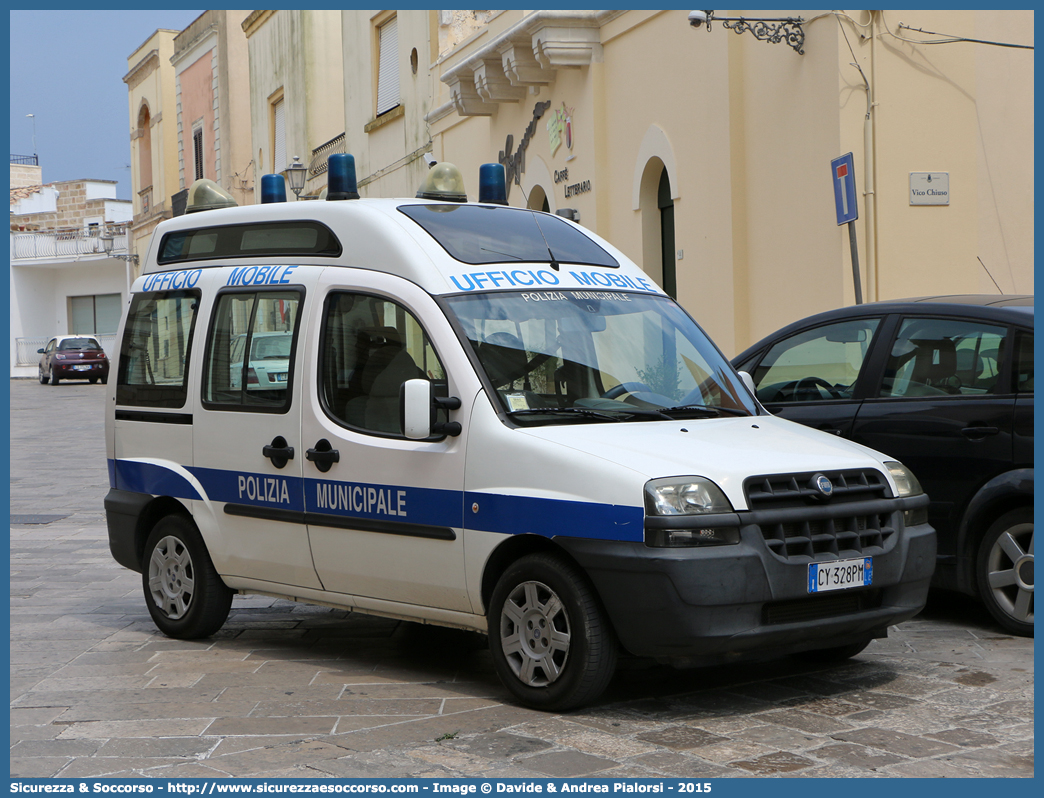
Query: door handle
{"points": [[278, 452], [831, 430], [323, 455], [978, 433]]}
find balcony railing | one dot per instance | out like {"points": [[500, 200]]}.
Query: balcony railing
{"points": [[65, 244], [25, 160], [28, 348], [317, 165]]}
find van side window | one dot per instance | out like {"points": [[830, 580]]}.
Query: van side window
{"points": [[250, 351], [369, 347], [154, 355]]}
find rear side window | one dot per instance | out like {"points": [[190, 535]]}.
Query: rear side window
{"points": [[946, 357], [287, 239], [1024, 362], [154, 355], [250, 351]]}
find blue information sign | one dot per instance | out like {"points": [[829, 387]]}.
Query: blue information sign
{"points": [[843, 173]]}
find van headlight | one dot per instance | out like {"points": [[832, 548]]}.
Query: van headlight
{"points": [[906, 485], [687, 496]]}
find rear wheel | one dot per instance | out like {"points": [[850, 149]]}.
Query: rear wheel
{"points": [[552, 645], [1004, 570], [92, 380], [185, 595]]}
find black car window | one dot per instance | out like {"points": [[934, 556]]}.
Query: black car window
{"points": [[813, 365], [1024, 362], [945, 357]]}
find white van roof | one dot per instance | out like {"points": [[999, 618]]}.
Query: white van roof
{"points": [[445, 247]]}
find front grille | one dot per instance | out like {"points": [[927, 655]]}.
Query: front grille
{"points": [[778, 491], [799, 524], [817, 607]]}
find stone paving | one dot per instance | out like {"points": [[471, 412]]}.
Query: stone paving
{"points": [[292, 690]]}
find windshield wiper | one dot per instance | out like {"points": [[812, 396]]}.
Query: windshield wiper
{"points": [[580, 411], [711, 410]]}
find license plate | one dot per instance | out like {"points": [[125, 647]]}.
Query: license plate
{"points": [[840, 574], [280, 377], [82, 368]]}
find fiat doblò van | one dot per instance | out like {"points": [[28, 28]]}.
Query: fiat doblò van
{"points": [[482, 417]]}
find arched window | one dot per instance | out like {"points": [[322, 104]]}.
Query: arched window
{"points": [[144, 148], [538, 200], [667, 260], [657, 214]]}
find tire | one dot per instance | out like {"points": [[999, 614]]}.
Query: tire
{"points": [[92, 380], [54, 377], [567, 655], [1004, 571], [105, 380], [835, 654], [43, 377], [185, 596]]}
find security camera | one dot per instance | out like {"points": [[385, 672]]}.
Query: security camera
{"points": [[697, 18]]}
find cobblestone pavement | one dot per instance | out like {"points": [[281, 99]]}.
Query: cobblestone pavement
{"points": [[291, 690]]}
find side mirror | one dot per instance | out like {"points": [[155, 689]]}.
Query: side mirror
{"points": [[39, 351], [417, 409], [749, 382]]}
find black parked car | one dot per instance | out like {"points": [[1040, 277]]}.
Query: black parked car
{"points": [[945, 385]]}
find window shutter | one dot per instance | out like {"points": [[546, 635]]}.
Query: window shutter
{"points": [[197, 151], [279, 145], [388, 66]]}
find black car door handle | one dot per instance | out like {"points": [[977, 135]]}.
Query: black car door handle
{"points": [[323, 455], [278, 451], [978, 433]]}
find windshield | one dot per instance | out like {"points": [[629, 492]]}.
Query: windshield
{"points": [[591, 356]]}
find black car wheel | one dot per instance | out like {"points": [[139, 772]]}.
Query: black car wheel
{"points": [[1005, 571], [54, 377], [185, 595], [43, 377], [552, 645]]}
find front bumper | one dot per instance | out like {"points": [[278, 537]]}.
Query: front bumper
{"points": [[697, 606]]}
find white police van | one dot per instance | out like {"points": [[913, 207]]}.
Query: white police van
{"points": [[480, 417]]}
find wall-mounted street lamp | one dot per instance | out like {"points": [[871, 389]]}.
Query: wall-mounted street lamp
{"points": [[296, 174], [107, 244], [773, 29]]}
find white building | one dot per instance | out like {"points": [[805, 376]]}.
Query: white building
{"points": [[62, 280]]}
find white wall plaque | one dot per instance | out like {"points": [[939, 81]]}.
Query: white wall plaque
{"points": [[929, 188]]}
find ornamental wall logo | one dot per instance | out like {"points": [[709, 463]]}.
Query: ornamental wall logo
{"points": [[560, 129]]}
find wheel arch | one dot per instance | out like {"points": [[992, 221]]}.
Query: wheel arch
{"points": [[151, 514], [1002, 494], [512, 549]]}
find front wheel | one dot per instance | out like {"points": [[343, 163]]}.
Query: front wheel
{"points": [[552, 645], [43, 377], [54, 377], [1004, 570], [185, 595]]}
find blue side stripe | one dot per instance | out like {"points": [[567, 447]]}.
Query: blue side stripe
{"points": [[499, 513], [154, 479], [515, 515]]}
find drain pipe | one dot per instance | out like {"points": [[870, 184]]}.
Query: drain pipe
{"points": [[870, 203]]}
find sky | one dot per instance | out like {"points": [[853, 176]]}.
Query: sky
{"points": [[67, 69]]}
